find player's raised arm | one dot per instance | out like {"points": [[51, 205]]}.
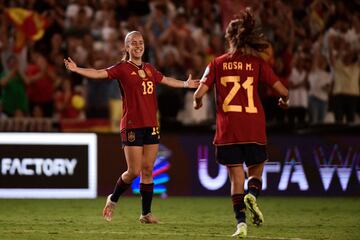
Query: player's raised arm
{"points": [[284, 94], [189, 83], [198, 95], [86, 72]]}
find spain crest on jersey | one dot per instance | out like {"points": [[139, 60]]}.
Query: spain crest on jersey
{"points": [[131, 136], [141, 73]]}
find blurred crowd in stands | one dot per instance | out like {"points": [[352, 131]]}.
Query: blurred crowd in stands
{"points": [[315, 52]]}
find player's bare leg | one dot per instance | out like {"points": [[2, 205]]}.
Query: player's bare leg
{"points": [[133, 155], [147, 185], [237, 178]]}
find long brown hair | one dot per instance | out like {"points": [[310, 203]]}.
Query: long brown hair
{"points": [[242, 34]]}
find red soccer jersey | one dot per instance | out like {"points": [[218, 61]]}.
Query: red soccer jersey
{"points": [[138, 89], [240, 116]]}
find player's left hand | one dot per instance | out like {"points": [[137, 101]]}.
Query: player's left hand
{"points": [[70, 64], [192, 83], [197, 104], [283, 104]]}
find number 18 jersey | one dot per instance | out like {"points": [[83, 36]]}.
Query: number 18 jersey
{"points": [[138, 89], [240, 116]]}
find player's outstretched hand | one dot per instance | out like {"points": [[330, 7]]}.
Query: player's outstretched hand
{"points": [[283, 103], [197, 104], [192, 83], [70, 64]]}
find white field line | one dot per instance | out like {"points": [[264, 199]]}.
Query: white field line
{"points": [[151, 234]]}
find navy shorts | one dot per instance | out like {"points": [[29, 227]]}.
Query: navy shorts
{"points": [[140, 136], [236, 154]]}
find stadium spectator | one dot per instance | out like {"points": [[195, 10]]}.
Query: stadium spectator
{"points": [[40, 78], [139, 127], [84, 28], [98, 92], [77, 6], [319, 87], [353, 34], [54, 13], [337, 29], [158, 21], [121, 10], [56, 46], [179, 36], [298, 91], [240, 122], [274, 114], [69, 104], [13, 89], [215, 48], [3, 116], [76, 49], [346, 70], [170, 101]]}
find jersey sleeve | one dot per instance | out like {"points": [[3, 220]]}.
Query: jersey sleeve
{"points": [[208, 77], [267, 74], [114, 71]]}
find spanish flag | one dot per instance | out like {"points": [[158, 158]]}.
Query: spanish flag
{"points": [[30, 26]]}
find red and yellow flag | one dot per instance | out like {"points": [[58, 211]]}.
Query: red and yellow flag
{"points": [[29, 25]]}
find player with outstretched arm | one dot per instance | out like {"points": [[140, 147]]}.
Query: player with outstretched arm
{"points": [[139, 126], [240, 121]]}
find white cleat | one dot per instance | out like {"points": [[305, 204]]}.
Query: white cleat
{"points": [[109, 209], [148, 219], [256, 214], [241, 230]]}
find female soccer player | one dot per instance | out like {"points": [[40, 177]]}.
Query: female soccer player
{"points": [[139, 125], [240, 122]]}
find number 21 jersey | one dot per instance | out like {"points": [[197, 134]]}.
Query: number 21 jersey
{"points": [[240, 116]]}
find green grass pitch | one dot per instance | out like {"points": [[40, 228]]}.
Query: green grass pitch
{"points": [[182, 218]]}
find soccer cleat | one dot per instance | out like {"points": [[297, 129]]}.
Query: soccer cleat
{"points": [[241, 230], [257, 216], [148, 218], [109, 209]]}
